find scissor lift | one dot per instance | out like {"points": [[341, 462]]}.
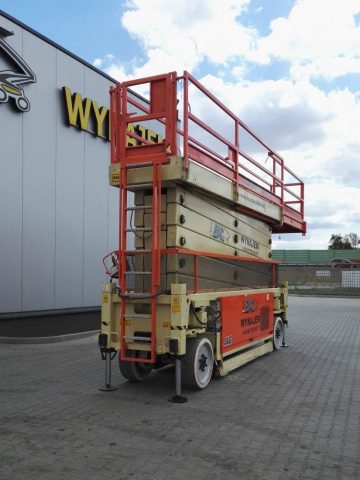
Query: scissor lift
{"points": [[197, 288]]}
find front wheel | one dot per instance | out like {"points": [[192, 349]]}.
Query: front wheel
{"points": [[278, 338], [199, 363], [135, 371]]}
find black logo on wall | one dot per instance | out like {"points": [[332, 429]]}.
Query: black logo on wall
{"points": [[11, 82]]}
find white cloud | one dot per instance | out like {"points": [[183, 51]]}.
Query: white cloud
{"points": [[319, 38], [328, 68], [98, 62], [182, 34], [330, 208], [317, 132], [285, 113], [117, 71]]}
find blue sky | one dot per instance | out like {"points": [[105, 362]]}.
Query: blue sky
{"points": [[87, 28], [288, 68]]}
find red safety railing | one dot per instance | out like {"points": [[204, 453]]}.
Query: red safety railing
{"points": [[229, 148], [276, 183], [161, 109]]}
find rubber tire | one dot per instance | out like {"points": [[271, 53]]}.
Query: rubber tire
{"points": [[134, 371], [278, 337], [189, 376]]}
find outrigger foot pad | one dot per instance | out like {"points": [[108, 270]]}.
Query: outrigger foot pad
{"points": [[177, 399], [107, 388]]}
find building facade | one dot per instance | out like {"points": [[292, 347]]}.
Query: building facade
{"points": [[58, 216]]}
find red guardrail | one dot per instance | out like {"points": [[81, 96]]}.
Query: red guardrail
{"points": [[182, 108]]}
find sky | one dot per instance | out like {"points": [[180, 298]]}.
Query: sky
{"points": [[290, 69]]}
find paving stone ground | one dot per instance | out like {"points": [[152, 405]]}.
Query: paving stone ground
{"points": [[293, 414]]}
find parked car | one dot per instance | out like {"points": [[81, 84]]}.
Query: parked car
{"points": [[341, 262]]}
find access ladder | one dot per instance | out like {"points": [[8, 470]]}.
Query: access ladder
{"points": [[163, 108]]}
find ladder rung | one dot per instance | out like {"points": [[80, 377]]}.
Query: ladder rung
{"points": [[138, 339], [138, 251], [139, 186], [137, 315], [139, 229], [139, 164], [137, 295], [139, 207], [135, 272]]}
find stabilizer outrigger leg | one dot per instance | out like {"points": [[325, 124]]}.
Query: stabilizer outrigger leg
{"points": [[284, 344], [177, 398], [107, 354]]}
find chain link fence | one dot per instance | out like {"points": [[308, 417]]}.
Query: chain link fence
{"points": [[321, 279]]}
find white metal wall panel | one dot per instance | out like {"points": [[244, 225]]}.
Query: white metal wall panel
{"points": [[11, 133], [69, 195], [97, 153], [39, 144], [58, 216], [95, 221]]}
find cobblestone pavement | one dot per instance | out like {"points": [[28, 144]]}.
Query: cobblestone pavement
{"points": [[293, 414]]}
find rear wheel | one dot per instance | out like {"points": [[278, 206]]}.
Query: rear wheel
{"points": [[278, 333], [135, 371], [199, 363]]}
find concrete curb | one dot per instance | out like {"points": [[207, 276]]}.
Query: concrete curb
{"points": [[45, 340], [322, 295]]}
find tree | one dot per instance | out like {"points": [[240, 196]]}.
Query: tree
{"points": [[346, 242], [354, 239]]}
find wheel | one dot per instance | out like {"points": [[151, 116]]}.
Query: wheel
{"points": [[278, 333], [135, 371], [23, 104], [199, 363]]}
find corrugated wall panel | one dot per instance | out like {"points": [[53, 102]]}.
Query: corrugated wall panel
{"points": [[318, 256], [95, 198], [59, 216], [39, 145], [11, 134], [69, 194], [278, 255]]}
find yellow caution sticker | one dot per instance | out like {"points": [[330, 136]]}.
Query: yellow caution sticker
{"points": [[165, 324], [105, 298], [175, 305]]}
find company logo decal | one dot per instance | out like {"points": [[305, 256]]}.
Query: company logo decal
{"points": [[219, 232], [249, 305], [11, 82]]}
